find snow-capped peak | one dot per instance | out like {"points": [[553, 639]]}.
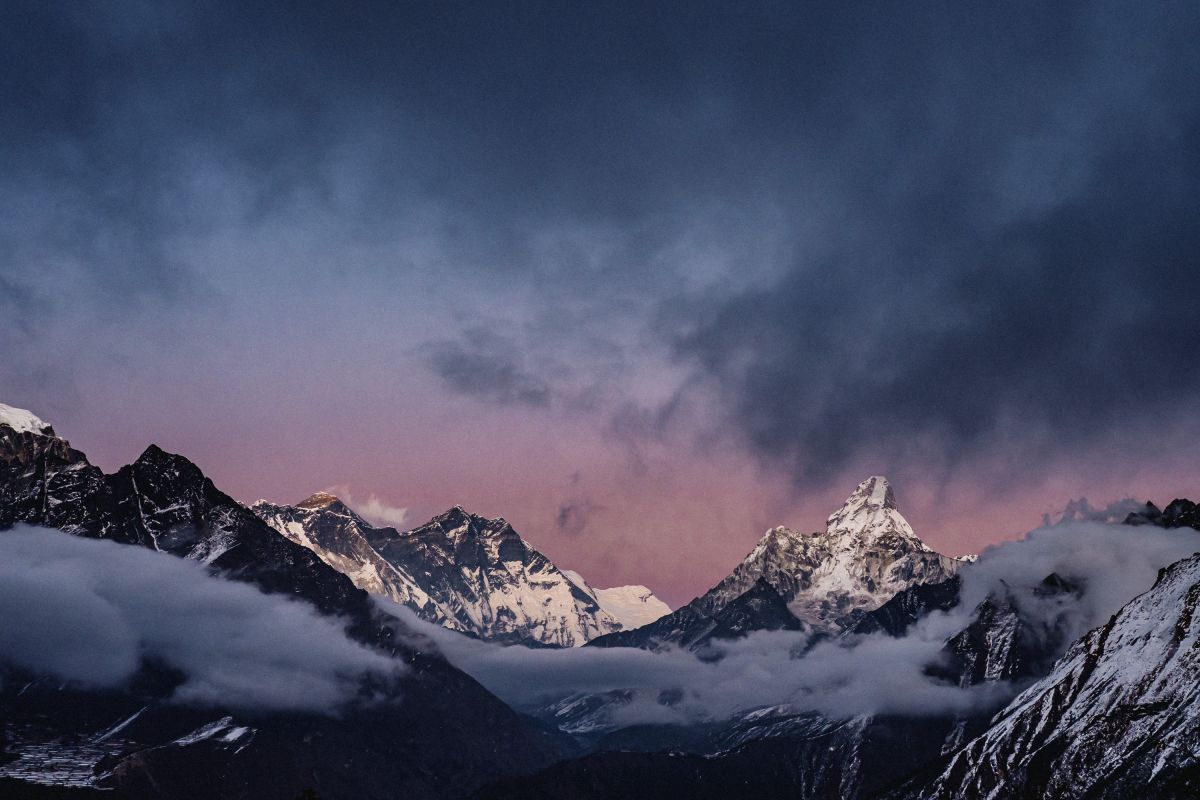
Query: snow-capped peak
{"points": [[870, 513], [867, 553], [632, 606], [319, 500], [23, 421]]}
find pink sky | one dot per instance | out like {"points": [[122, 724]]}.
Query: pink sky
{"points": [[677, 519]]}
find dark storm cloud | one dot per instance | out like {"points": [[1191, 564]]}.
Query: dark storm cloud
{"points": [[575, 514], [487, 366], [1020, 269], [904, 229]]}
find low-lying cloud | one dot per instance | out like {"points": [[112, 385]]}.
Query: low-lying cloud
{"points": [[851, 676], [91, 611]]}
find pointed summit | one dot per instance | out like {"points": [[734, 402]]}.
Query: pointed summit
{"points": [[867, 554], [319, 500], [876, 492], [870, 514]]}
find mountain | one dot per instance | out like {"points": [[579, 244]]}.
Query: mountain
{"points": [[1008, 640], [460, 570], [867, 554], [1118, 716], [820, 759], [782, 751], [760, 607], [897, 615], [1179, 513], [442, 734], [632, 606]]}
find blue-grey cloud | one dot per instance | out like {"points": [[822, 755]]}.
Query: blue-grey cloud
{"points": [[91, 611], [488, 366], [900, 230]]}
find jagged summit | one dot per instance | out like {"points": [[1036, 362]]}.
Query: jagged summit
{"points": [[456, 516], [865, 556], [23, 421], [875, 492], [459, 570], [870, 514], [320, 500]]}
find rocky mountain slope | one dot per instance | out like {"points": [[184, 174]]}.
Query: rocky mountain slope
{"points": [[460, 570], [1009, 640], [867, 554], [1118, 716], [442, 735], [759, 608]]}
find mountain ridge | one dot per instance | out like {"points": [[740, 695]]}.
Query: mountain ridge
{"points": [[867, 554], [164, 502], [465, 572]]}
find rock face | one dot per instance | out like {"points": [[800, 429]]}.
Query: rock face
{"points": [[459, 570], [443, 735], [759, 608], [1118, 716], [867, 554], [1179, 513], [897, 615]]}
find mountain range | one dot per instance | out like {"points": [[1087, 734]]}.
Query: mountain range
{"points": [[464, 572], [823, 582], [454, 733], [1110, 713]]}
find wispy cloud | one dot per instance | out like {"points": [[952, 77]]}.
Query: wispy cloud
{"points": [[486, 365], [372, 508]]}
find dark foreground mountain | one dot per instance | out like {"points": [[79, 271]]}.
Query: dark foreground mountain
{"points": [[440, 736], [1118, 716]]}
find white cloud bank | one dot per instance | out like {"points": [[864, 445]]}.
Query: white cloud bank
{"points": [[847, 677], [89, 611]]}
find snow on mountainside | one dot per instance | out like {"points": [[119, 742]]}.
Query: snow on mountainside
{"points": [[867, 554], [23, 421], [459, 570], [632, 606], [1118, 716], [459, 733], [327, 527]]}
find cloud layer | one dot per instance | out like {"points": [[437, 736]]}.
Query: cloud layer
{"points": [[843, 678], [90, 611]]}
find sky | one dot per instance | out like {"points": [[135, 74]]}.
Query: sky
{"points": [[642, 278]]}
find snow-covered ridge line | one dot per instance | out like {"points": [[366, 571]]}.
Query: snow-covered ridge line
{"points": [[866, 555], [22, 421], [1117, 717], [462, 571], [632, 606]]}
